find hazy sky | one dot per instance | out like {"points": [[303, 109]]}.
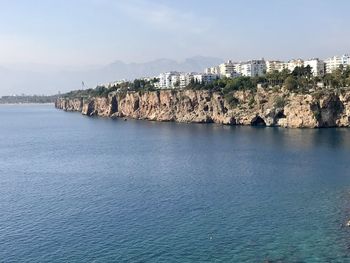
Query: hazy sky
{"points": [[81, 32]]}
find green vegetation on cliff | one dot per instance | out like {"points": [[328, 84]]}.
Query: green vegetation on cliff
{"points": [[300, 80], [18, 99], [102, 91]]}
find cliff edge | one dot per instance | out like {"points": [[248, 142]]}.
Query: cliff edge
{"points": [[264, 107]]}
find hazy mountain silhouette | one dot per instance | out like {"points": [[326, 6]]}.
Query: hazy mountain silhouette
{"points": [[15, 81]]}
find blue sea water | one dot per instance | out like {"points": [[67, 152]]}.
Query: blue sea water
{"points": [[79, 189]]}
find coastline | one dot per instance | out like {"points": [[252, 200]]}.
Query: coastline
{"points": [[265, 107], [29, 103]]}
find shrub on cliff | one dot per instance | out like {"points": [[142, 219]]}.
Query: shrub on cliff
{"points": [[276, 78], [279, 102], [319, 94], [100, 91], [291, 83], [251, 102], [195, 85], [231, 100], [240, 83]]}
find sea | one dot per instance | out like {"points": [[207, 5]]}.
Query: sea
{"points": [[81, 189]]}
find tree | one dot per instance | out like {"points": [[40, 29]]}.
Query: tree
{"points": [[307, 71], [273, 78], [177, 84], [291, 83], [302, 72], [240, 83], [297, 72]]}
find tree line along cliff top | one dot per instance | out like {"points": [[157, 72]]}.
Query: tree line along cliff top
{"points": [[300, 80]]}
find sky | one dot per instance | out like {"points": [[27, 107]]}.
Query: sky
{"points": [[79, 33]]}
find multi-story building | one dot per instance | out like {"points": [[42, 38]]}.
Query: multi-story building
{"points": [[275, 65], [317, 66], [115, 83], [233, 74], [205, 78], [212, 70], [334, 62], [175, 81], [226, 68], [292, 64], [185, 79], [166, 79], [245, 69], [252, 68]]}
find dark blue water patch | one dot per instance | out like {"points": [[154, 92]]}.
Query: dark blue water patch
{"points": [[79, 189]]}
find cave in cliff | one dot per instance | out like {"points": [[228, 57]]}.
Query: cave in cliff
{"points": [[258, 121]]}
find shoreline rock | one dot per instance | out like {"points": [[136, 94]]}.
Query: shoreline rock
{"points": [[261, 108]]}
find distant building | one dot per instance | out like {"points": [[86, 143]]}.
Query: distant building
{"points": [[185, 79], [226, 68], [166, 79], [212, 70], [233, 74], [252, 68], [114, 83], [175, 81], [292, 64], [275, 65], [205, 78], [238, 67], [317, 66], [334, 62]]}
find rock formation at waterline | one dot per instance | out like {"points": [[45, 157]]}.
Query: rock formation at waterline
{"points": [[264, 107]]}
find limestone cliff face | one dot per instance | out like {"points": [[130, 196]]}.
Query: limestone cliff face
{"points": [[74, 104], [261, 108]]}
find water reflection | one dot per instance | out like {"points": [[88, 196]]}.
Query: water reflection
{"points": [[102, 189]]}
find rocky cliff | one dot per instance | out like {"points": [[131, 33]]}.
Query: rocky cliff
{"points": [[265, 107]]}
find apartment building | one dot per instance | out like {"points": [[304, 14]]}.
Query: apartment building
{"points": [[167, 80], [185, 79], [226, 68], [292, 64], [212, 70], [275, 65], [205, 78], [317, 66], [333, 63], [175, 80], [252, 68]]}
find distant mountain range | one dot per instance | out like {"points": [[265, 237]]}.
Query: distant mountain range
{"points": [[40, 81]]}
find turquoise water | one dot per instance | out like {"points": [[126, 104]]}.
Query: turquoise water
{"points": [[79, 189]]}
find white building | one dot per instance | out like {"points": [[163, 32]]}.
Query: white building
{"points": [[334, 62], [185, 79], [113, 84], [227, 68], [275, 65], [237, 67], [205, 78], [212, 70], [233, 74], [166, 79], [252, 68], [292, 64], [317, 66], [175, 81]]}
